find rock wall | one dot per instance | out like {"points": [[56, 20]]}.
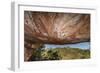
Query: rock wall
{"points": [[57, 28]]}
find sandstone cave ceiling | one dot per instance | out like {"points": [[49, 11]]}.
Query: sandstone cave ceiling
{"points": [[56, 28]]}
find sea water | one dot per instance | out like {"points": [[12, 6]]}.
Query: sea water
{"points": [[83, 45]]}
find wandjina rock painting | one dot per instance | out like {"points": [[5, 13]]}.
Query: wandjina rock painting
{"points": [[55, 28]]}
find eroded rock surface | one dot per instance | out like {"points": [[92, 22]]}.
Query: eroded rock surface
{"points": [[57, 28]]}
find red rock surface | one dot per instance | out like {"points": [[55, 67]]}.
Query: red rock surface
{"points": [[56, 28]]}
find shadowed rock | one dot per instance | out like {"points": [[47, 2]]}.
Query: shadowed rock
{"points": [[56, 28]]}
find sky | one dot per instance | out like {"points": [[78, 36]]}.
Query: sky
{"points": [[83, 45]]}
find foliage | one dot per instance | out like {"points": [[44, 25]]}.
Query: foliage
{"points": [[59, 54]]}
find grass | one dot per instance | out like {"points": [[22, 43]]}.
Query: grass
{"points": [[73, 53], [65, 53]]}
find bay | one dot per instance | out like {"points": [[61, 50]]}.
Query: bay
{"points": [[83, 45]]}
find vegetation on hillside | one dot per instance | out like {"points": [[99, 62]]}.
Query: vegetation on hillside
{"points": [[65, 53]]}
